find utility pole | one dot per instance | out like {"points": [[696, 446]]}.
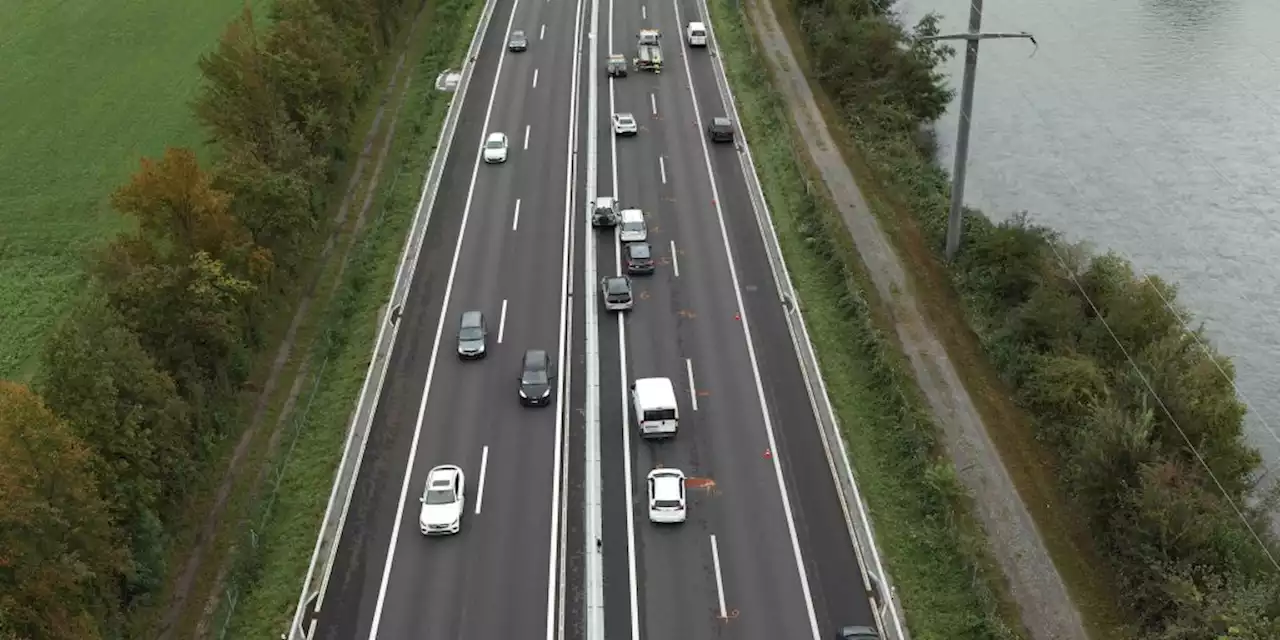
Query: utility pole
{"points": [[971, 37]]}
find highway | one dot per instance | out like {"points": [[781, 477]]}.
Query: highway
{"points": [[766, 551], [500, 243]]}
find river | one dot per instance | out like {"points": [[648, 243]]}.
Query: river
{"points": [[1151, 128]]}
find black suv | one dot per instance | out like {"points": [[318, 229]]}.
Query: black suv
{"points": [[720, 129], [535, 378], [639, 258]]}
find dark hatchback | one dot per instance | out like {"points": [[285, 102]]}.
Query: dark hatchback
{"points": [[720, 129], [857, 633], [639, 258], [535, 378]]}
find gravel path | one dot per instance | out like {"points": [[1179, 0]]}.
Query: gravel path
{"points": [[1047, 610]]}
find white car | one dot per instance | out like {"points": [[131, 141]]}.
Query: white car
{"points": [[666, 496], [443, 501], [624, 124], [495, 147]]}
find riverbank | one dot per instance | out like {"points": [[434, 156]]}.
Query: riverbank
{"points": [[1085, 385]]}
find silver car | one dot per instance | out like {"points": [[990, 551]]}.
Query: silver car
{"points": [[472, 334], [616, 291]]}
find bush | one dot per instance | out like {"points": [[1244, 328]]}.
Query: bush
{"points": [[139, 381], [1140, 414]]}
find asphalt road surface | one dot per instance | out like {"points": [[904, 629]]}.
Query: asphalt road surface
{"points": [[765, 553], [499, 243], [755, 559]]}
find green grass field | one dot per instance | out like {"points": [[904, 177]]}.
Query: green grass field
{"points": [[86, 88]]}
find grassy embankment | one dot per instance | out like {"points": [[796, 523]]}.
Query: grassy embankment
{"points": [[343, 347], [86, 89], [934, 550]]}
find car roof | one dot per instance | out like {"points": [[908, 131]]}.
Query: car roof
{"points": [[666, 485], [617, 283], [624, 114], [721, 121], [497, 135], [445, 473], [472, 318], [642, 248], [858, 633], [517, 32], [535, 356]]}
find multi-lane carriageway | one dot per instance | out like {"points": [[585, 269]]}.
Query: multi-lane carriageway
{"points": [[766, 551]]}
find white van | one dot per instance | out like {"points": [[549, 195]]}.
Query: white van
{"points": [[631, 227], [654, 403], [697, 33]]}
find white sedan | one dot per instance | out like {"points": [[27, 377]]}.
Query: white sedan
{"points": [[624, 124], [443, 501], [495, 147], [666, 496]]}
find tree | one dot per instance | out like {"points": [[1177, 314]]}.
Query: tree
{"points": [[314, 76], [110, 391], [58, 552], [273, 187], [174, 201], [188, 315], [238, 100]]}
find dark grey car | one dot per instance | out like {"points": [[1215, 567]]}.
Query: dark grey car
{"points": [[720, 129], [639, 258], [535, 378], [472, 334], [857, 633], [518, 41]]}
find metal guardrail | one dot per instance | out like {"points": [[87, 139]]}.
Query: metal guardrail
{"points": [[312, 594], [876, 582]]}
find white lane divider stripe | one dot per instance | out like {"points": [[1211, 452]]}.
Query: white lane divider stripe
{"points": [[502, 321], [484, 464], [675, 260], [526, 137], [653, 104], [535, 78], [693, 388], [662, 167], [715, 559], [515, 221]]}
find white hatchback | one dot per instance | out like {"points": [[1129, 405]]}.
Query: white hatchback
{"points": [[666, 496], [443, 501], [495, 147]]}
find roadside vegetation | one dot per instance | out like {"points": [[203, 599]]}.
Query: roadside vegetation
{"points": [[933, 548], [1116, 417], [141, 384], [272, 570]]}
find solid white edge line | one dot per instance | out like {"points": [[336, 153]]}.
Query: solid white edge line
{"points": [[675, 259], [515, 220], [535, 79], [502, 321], [662, 169], [715, 560], [751, 351], [484, 466], [435, 346], [526, 136], [566, 320], [627, 432], [802, 343], [443, 144], [693, 388]]}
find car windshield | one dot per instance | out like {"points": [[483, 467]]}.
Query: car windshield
{"points": [[439, 496], [534, 377], [494, 143], [470, 333], [667, 504], [639, 252]]}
